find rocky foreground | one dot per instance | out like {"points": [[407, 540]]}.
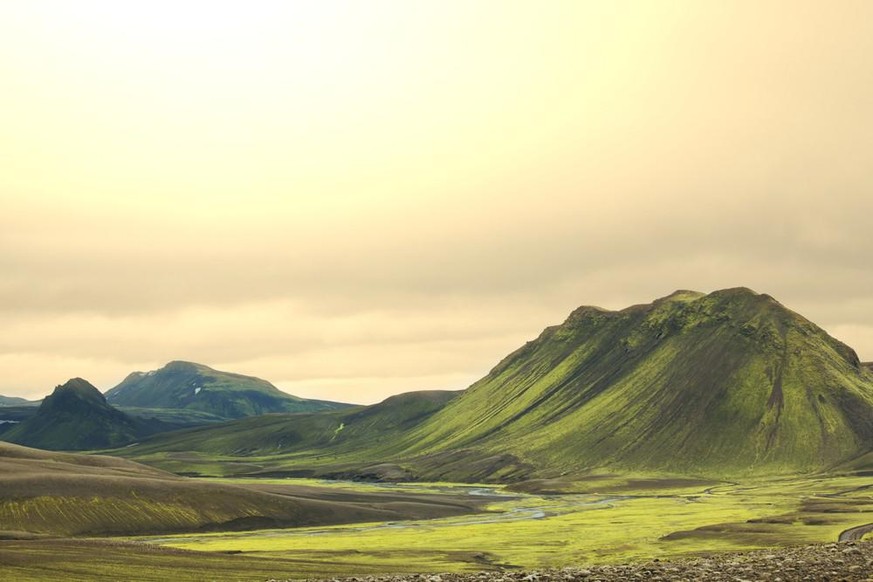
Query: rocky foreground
{"points": [[849, 561]]}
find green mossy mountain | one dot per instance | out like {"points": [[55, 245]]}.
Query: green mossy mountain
{"points": [[74, 417], [190, 386], [721, 384], [726, 384]]}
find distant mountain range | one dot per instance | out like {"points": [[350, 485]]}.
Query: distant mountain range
{"points": [[181, 394], [15, 401], [726, 384], [190, 386]]}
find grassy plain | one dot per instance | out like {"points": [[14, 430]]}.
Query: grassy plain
{"points": [[536, 531], [604, 519]]}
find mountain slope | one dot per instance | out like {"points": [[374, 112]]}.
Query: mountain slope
{"points": [[318, 437], [730, 383], [186, 385], [75, 416], [726, 383]]}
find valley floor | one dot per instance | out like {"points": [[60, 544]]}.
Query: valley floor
{"points": [[590, 525], [601, 521]]}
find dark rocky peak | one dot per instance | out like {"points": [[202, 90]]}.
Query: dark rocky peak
{"points": [[75, 389]]}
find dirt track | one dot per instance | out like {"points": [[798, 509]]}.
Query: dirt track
{"points": [[856, 533]]}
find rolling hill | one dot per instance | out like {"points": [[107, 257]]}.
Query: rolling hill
{"points": [[49, 494], [725, 384], [190, 386], [238, 446]]}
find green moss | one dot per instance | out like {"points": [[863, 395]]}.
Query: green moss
{"points": [[658, 519]]}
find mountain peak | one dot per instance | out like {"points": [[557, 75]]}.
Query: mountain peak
{"points": [[681, 295], [741, 294], [737, 291], [76, 388], [79, 384], [179, 365]]}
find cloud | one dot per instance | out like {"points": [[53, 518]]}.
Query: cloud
{"points": [[410, 206]]}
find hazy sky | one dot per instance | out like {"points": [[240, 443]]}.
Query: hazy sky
{"points": [[357, 199]]}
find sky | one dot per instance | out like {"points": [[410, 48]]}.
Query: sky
{"points": [[355, 199]]}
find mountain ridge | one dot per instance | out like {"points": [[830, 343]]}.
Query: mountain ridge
{"points": [[722, 384]]}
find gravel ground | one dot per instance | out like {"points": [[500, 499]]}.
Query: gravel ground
{"points": [[848, 561]]}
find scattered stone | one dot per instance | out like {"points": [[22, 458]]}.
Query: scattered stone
{"points": [[847, 561]]}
